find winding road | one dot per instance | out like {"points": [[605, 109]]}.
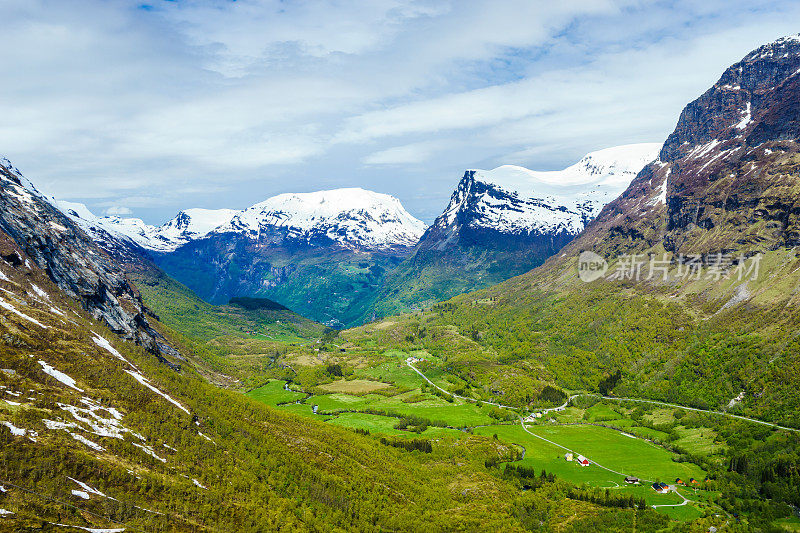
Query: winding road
{"points": [[563, 406], [410, 362]]}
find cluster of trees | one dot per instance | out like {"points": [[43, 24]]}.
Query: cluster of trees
{"points": [[606, 499], [527, 477], [608, 383], [414, 423], [552, 395], [422, 445]]}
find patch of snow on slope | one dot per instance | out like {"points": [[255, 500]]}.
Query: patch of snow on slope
{"points": [[149, 451], [60, 376], [7, 306], [144, 381], [80, 494], [102, 426], [103, 343], [17, 432], [747, 119], [662, 195], [89, 489], [92, 529], [40, 292], [87, 442]]}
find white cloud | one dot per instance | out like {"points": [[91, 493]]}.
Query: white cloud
{"points": [[405, 155], [118, 210]]}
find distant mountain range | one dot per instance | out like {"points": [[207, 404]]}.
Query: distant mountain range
{"points": [[344, 256]]}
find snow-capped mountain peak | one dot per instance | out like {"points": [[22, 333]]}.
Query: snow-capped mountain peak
{"points": [[615, 166], [350, 217], [515, 200], [187, 225], [195, 223]]}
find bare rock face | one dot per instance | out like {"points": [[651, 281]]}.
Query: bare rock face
{"points": [[72, 260], [727, 179]]}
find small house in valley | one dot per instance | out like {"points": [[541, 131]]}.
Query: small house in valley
{"points": [[631, 480], [568, 456], [583, 461], [662, 488]]}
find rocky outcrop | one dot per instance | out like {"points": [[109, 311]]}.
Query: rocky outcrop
{"points": [[727, 178], [73, 261]]}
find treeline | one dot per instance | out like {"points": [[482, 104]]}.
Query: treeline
{"points": [[414, 423], [606, 499], [409, 445], [527, 477]]}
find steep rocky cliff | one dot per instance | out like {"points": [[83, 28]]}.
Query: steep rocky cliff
{"points": [[726, 179], [72, 260]]}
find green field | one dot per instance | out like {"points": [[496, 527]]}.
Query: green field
{"points": [[699, 441], [273, 393], [606, 446], [788, 524], [394, 372], [385, 425], [601, 412]]}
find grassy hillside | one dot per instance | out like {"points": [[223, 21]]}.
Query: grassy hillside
{"points": [[432, 276]]}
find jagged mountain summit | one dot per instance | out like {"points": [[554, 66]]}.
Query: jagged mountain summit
{"points": [[187, 225], [726, 178], [514, 201], [72, 260], [503, 222]]}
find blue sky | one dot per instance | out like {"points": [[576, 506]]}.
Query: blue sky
{"points": [[211, 103]]}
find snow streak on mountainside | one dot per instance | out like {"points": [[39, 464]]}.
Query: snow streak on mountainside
{"points": [[517, 201], [352, 218]]}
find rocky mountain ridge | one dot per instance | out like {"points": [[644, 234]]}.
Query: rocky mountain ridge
{"points": [[726, 178], [72, 260]]}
